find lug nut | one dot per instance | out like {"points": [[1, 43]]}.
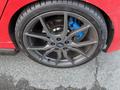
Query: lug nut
{"points": [[65, 48], [48, 37], [67, 42], [58, 39], [52, 43]]}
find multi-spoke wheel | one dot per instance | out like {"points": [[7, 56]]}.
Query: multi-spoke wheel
{"points": [[59, 34]]}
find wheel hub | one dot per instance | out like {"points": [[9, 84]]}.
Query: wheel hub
{"points": [[60, 45]]}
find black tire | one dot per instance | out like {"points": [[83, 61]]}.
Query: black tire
{"points": [[89, 12]]}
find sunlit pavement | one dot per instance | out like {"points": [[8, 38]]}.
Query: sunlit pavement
{"points": [[19, 72]]}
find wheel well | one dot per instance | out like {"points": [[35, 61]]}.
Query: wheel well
{"points": [[108, 21], [110, 27], [13, 23]]}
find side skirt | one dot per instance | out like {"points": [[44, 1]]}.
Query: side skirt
{"points": [[8, 51]]}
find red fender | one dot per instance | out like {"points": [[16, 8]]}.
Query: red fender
{"points": [[3, 4], [12, 7]]}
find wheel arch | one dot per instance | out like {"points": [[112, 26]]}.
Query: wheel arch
{"points": [[108, 21], [110, 29], [13, 21]]}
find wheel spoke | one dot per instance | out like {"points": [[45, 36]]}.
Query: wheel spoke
{"points": [[47, 53], [59, 53], [67, 57], [65, 28], [38, 36], [79, 51], [39, 48], [44, 25], [45, 28], [83, 44], [65, 24], [83, 28]]}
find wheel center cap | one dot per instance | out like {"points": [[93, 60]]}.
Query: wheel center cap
{"points": [[60, 45]]}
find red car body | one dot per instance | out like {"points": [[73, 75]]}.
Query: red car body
{"points": [[9, 8]]}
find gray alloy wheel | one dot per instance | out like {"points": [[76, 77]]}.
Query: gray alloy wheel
{"points": [[59, 38]]}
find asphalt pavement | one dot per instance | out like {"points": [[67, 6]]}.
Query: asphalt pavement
{"points": [[21, 73]]}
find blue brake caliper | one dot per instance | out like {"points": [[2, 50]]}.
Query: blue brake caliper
{"points": [[74, 25]]}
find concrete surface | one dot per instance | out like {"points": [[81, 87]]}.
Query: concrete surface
{"points": [[20, 73]]}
